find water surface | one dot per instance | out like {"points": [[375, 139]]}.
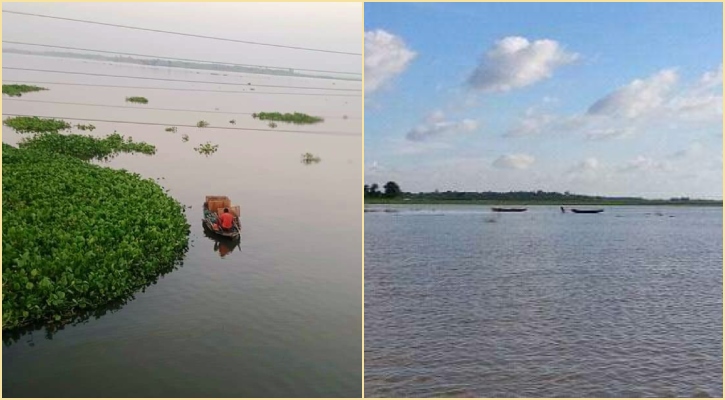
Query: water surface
{"points": [[460, 301], [279, 314]]}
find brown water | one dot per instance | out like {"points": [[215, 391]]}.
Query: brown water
{"points": [[279, 315], [463, 302]]}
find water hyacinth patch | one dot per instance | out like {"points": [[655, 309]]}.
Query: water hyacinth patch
{"points": [[294, 118], [88, 127], [77, 236], [202, 124], [86, 147], [309, 158], [137, 99], [36, 124], [18, 90], [207, 148], [171, 129], [184, 138], [272, 125]]}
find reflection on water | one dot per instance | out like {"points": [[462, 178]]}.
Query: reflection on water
{"points": [[223, 245]]}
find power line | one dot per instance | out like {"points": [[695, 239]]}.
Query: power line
{"points": [[146, 108], [193, 126], [182, 90], [181, 80], [184, 34], [178, 59]]}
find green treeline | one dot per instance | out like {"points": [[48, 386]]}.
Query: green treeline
{"points": [[391, 193]]}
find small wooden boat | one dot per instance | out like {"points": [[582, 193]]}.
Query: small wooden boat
{"points": [[213, 207], [579, 211], [501, 209]]}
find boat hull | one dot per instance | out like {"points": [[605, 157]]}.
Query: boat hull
{"points": [[575, 211], [499, 209], [210, 228]]}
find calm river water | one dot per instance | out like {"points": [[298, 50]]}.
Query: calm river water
{"points": [[460, 301], [280, 314]]}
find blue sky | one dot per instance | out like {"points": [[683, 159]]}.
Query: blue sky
{"points": [[610, 98]]}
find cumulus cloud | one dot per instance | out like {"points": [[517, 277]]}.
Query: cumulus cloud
{"points": [[386, 56], [532, 123], [514, 161], [638, 97], [608, 133], [712, 79], [514, 62], [436, 126]]}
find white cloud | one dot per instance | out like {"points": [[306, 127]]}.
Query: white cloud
{"points": [[643, 164], [712, 79], [532, 123], [638, 97], [386, 56], [436, 126], [608, 133], [514, 62], [514, 161]]}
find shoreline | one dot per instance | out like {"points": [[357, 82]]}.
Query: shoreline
{"points": [[713, 203]]}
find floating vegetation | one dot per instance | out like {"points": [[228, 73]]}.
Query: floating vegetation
{"points": [[295, 118], [207, 149], [202, 124], [18, 90], [88, 127], [184, 138], [35, 124], [77, 236], [272, 125], [86, 147], [309, 158], [171, 129], [233, 122], [254, 115], [141, 100]]}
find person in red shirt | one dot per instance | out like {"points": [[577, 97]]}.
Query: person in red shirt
{"points": [[227, 220]]}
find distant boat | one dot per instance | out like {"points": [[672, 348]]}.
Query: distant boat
{"points": [[578, 211], [501, 209]]}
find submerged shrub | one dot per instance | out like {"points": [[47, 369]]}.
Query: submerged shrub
{"points": [[36, 124], [207, 148], [18, 90], [295, 118], [88, 127], [77, 236]]}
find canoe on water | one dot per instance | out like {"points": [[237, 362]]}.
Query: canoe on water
{"points": [[579, 211], [213, 207], [501, 209]]}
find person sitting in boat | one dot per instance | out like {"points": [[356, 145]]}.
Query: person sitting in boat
{"points": [[227, 220]]}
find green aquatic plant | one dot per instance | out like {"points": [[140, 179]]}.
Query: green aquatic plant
{"points": [[86, 147], [309, 158], [36, 124], [184, 138], [137, 99], [295, 118], [171, 129], [272, 125], [88, 127], [202, 124], [233, 122], [77, 236], [18, 90], [254, 115], [207, 149]]}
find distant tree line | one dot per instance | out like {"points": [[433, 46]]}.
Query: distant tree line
{"points": [[390, 190]]}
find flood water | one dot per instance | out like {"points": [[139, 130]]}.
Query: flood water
{"points": [[460, 301], [277, 314]]}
